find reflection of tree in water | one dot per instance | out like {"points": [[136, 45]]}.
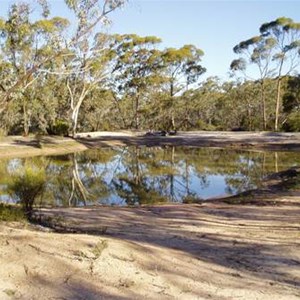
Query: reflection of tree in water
{"points": [[78, 192], [78, 179], [88, 173], [134, 184], [147, 175], [241, 170], [153, 175], [160, 174]]}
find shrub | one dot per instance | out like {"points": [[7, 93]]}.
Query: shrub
{"points": [[201, 125], [293, 122], [27, 184], [11, 213], [60, 127], [189, 199]]}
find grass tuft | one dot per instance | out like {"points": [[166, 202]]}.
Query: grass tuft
{"points": [[99, 247], [10, 292]]}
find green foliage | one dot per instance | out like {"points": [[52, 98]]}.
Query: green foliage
{"points": [[202, 125], [276, 53], [238, 64], [184, 61], [98, 248], [27, 184], [60, 127], [191, 199], [10, 292], [11, 213], [90, 13], [293, 122], [244, 45], [291, 95], [93, 81], [51, 26], [282, 22], [136, 68]]}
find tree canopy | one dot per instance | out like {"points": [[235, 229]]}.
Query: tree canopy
{"points": [[58, 81]]}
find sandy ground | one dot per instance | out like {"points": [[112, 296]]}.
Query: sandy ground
{"points": [[211, 250], [19, 146], [246, 140]]}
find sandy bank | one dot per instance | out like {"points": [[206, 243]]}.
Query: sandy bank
{"points": [[246, 140], [50, 145], [213, 251]]}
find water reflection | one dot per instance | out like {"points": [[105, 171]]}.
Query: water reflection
{"points": [[133, 175]]}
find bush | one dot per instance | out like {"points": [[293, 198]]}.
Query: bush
{"points": [[11, 213], [27, 184], [60, 127], [189, 199], [201, 125], [293, 122]]}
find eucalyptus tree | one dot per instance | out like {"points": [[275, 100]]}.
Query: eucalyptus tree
{"points": [[24, 46], [181, 68], [30, 48], [291, 103], [285, 36], [84, 71], [99, 112], [256, 51], [201, 104], [85, 68], [90, 14], [291, 97], [135, 70]]}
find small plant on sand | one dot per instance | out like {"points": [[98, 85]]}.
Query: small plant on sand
{"points": [[98, 248], [26, 185], [9, 292]]}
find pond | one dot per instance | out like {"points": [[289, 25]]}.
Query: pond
{"points": [[145, 175]]}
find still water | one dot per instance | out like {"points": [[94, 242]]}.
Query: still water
{"points": [[144, 175]]}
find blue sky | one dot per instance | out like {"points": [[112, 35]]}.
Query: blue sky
{"points": [[214, 26]]}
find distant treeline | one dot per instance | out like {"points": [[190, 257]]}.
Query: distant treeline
{"points": [[55, 82]]}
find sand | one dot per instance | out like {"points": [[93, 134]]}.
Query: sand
{"points": [[209, 251]]}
